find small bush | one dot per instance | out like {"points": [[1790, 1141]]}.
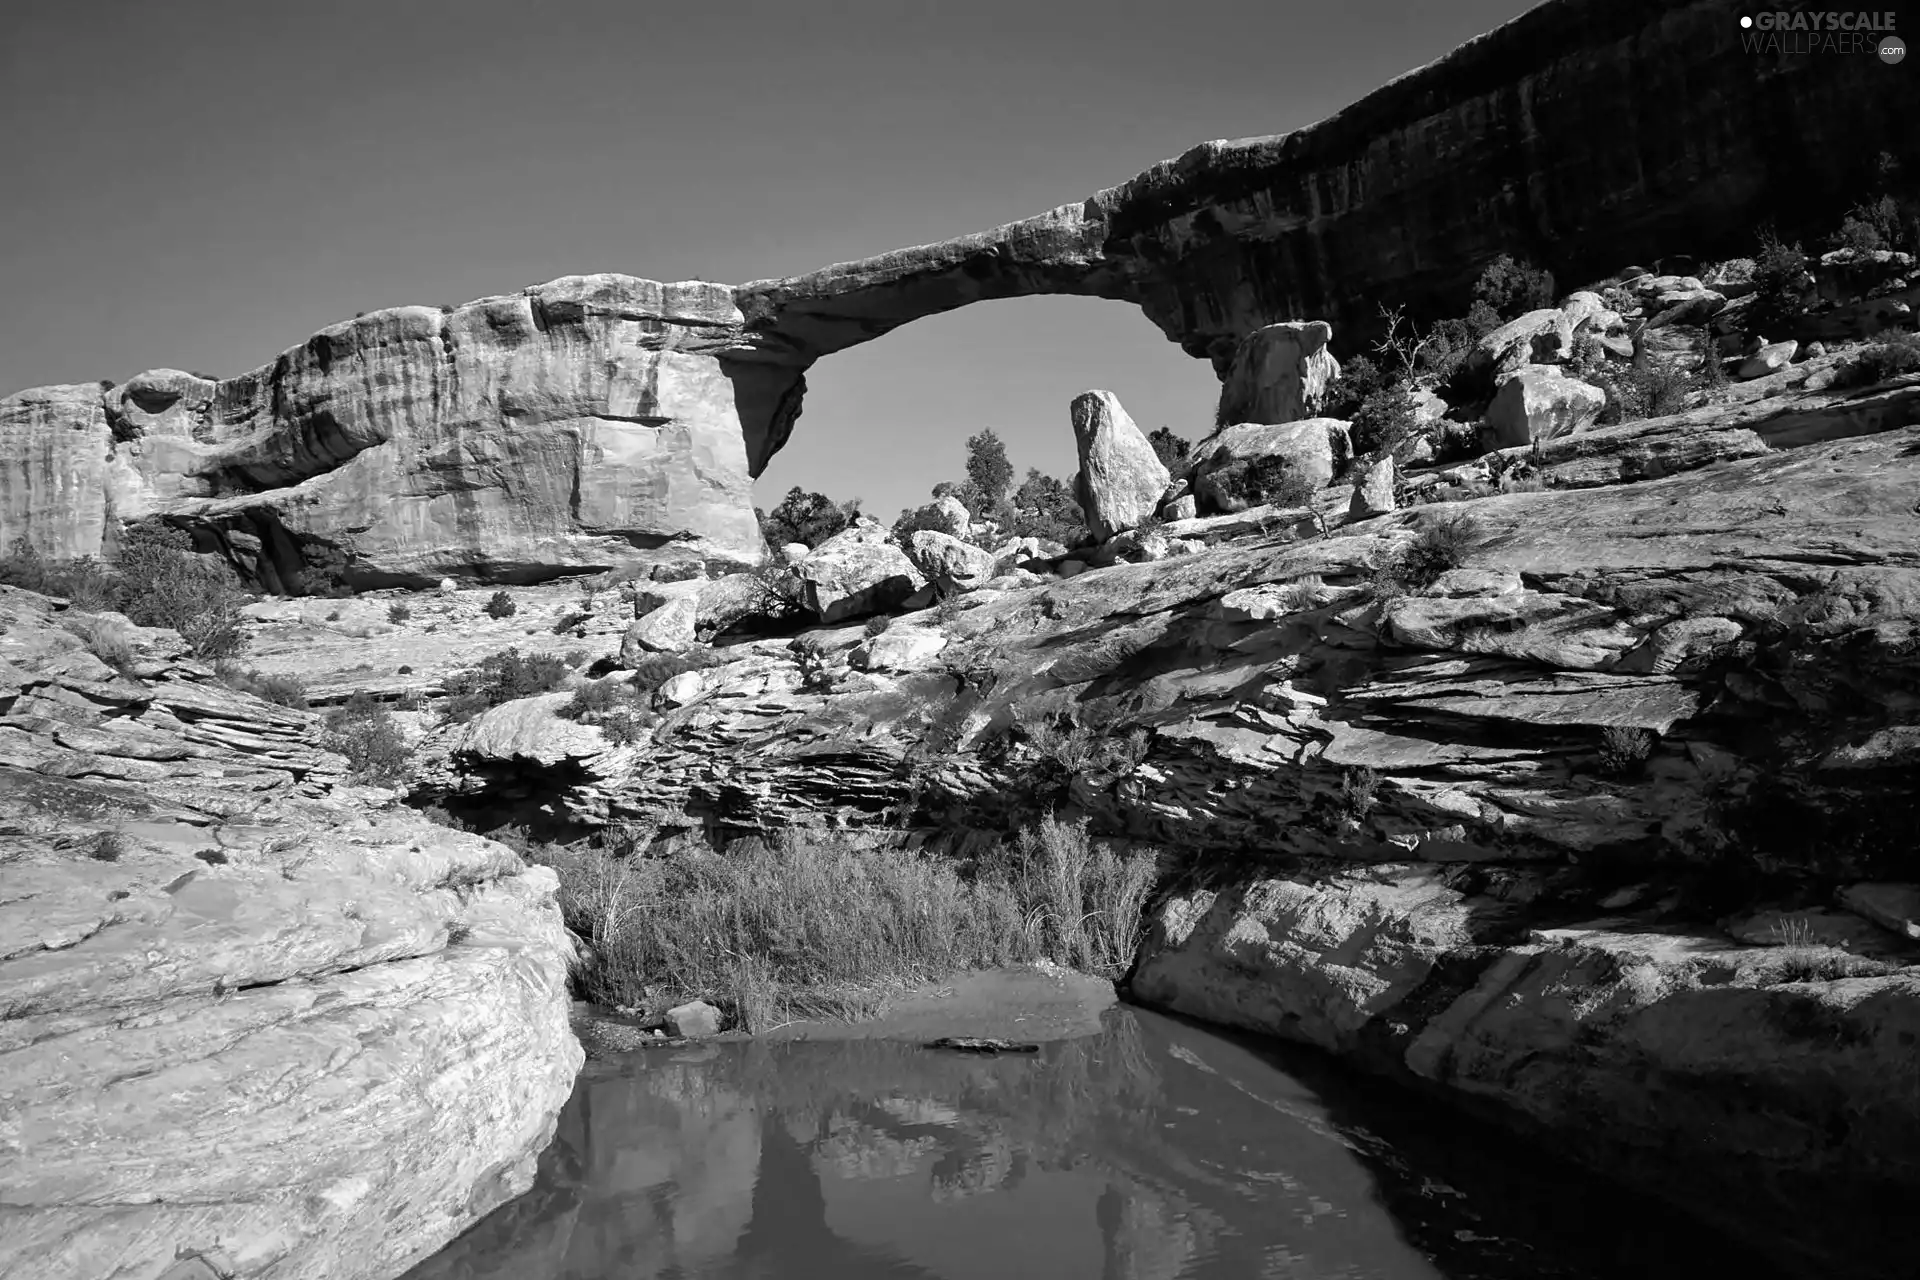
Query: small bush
{"points": [[1265, 480], [1899, 354], [570, 620], [1357, 787], [655, 669], [807, 518], [876, 625], [363, 731], [84, 583], [1168, 446], [399, 612], [617, 707], [1509, 289], [577, 658], [501, 677], [778, 596], [285, 691], [500, 605], [1624, 750], [107, 846], [1359, 378], [1440, 545], [169, 586], [1386, 418]]}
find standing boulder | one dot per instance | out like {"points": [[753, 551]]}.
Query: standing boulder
{"points": [[1540, 403], [1121, 478], [1279, 374], [856, 572], [948, 561], [1373, 496]]}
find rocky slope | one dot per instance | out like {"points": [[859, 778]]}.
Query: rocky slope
{"points": [[251, 1021], [1606, 832], [597, 421]]}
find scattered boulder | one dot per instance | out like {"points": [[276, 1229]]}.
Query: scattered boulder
{"points": [[1894, 907], [1185, 507], [794, 552], [856, 572], [696, 1019], [1770, 358], [681, 689], [448, 586], [1687, 306], [1373, 496], [949, 562], [954, 512], [897, 649], [1279, 374], [1306, 450], [1121, 478], [1540, 403], [667, 629]]}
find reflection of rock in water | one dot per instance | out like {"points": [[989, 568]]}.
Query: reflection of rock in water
{"points": [[857, 1151], [983, 1162], [1147, 1237]]}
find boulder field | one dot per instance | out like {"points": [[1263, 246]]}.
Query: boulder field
{"points": [[602, 421]]}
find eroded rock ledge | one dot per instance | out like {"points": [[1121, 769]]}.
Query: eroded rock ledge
{"points": [[246, 1015]]}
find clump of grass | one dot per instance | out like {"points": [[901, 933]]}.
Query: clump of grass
{"points": [[285, 691], [1796, 957], [500, 605], [107, 846], [105, 638], [398, 612], [1624, 750], [367, 735], [876, 625], [813, 923], [1440, 545]]}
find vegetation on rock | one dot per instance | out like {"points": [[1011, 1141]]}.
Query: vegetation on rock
{"points": [[501, 677]]}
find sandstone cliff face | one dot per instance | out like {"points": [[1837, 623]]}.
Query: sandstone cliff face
{"points": [[591, 421], [247, 1016]]}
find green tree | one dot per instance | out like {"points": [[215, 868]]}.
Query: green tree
{"points": [[1171, 449], [1509, 289], [988, 470], [806, 518]]}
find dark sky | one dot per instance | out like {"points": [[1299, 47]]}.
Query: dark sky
{"points": [[200, 184]]}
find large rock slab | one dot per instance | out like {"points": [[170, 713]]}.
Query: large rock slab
{"points": [[1279, 373], [950, 562], [856, 572], [1121, 478]]}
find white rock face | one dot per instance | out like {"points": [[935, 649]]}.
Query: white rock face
{"points": [[1770, 358], [857, 571], [1373, 496], [1279, 373], [1541, 403], [948, 561], [1121, 478], [898, 649]]}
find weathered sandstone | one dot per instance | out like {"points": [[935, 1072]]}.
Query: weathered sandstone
{"points": [[1120, 479]]}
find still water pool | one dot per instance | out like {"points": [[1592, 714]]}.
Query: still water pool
{"points": [[1154, 1150]]}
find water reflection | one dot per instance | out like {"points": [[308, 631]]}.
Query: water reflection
{"points": [[1152, 1151]]}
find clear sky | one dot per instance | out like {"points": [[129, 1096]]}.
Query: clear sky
{"points": [[200, 184]]}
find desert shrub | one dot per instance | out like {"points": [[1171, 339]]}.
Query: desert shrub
{"points": [[654, 670], [914, 519], [1508, 288], [167, 585], [1624, 749], [1710, 368], [1441, 545], [105, 638], [876, 625], [85, 583], [778, 597], [285, 691], [1897, 355], [363, 731], [618, 707], [1357, 788], [577, 658], [398, 612], [1044, 507], [1359, 378], [816, 673], [1169, 446], [501, 677], [819, 923], [1779, 299], [1646, 388], [1252, 482], [106, 846], [1857, 233], [807, 518], [569, 620], [500, 605], [1385, 419]]}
